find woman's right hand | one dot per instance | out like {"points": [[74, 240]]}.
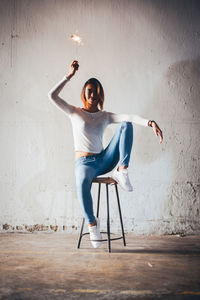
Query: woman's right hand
{"points": [[73, 68]]}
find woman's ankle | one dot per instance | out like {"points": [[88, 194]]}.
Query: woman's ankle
{"points": [[92, 224], [121, 167]]}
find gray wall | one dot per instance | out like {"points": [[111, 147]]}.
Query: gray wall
{"points": [[146, 54]]}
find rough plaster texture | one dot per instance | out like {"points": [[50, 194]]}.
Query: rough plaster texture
{"points": [[146, 54]]}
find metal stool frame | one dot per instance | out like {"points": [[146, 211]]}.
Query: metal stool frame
{"points": [[107, 181]]}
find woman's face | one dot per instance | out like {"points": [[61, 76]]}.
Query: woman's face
{"points": [[91, 95]]}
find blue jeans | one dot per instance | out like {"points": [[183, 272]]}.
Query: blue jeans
{"points": [[88, 167]]}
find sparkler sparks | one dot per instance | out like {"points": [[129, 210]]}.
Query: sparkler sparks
{"points": [[78, 41], [76, 38]]}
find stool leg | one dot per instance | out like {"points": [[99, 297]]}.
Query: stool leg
{"points": [[120, 215], [108, 218], [80, 237], [98, 200]]}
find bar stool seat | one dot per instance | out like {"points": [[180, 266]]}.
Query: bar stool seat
{"points": [[107, 181]]}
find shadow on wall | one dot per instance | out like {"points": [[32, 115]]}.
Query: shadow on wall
{"points": [[183, 81], [181, 105], [184, 106], [176, 104]]}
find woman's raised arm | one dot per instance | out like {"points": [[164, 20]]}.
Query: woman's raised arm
{"points": [[54, 92]]}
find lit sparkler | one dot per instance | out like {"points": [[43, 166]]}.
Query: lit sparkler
{"points": [[77, 40]]}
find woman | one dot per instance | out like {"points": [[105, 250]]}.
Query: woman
{"points": [[92, 160]]}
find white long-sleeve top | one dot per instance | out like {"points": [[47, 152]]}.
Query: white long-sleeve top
{"points": [[88, 128]]}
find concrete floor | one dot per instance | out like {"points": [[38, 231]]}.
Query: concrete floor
{"points": [[48, 266]]}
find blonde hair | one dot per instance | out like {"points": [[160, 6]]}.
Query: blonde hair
{"points": [[99, 90]]}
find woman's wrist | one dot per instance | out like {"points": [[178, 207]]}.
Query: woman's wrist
{"points": [[150, 123]]}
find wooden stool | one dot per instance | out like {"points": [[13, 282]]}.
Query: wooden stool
{"points": [[107, 181]]}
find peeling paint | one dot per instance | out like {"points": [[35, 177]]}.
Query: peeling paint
{"points": [[19, 228], [7, 227], [74, 227], [54, 227]]}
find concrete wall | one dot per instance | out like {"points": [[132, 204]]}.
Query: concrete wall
{"points": [[146, 54]]}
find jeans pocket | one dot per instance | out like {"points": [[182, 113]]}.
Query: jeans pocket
{"points": [[84, 160], [89, 159]]}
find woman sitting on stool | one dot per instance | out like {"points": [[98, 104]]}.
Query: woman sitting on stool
{"points": [[92, 160]]}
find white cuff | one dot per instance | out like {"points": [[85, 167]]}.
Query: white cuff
{"points": [[66, 78]]}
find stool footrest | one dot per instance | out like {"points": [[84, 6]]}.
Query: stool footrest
{"points": [[105, 240]]}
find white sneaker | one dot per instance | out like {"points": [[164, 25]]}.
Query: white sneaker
{"points": [[122, 178], [95, 235]]}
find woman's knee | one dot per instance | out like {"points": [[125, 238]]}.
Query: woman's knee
{"points": [[127, 125]]}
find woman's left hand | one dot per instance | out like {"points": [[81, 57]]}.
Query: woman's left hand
{"points": [[157, 131]]}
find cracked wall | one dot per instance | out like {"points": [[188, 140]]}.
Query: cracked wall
{"points": [[146, 55]]}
